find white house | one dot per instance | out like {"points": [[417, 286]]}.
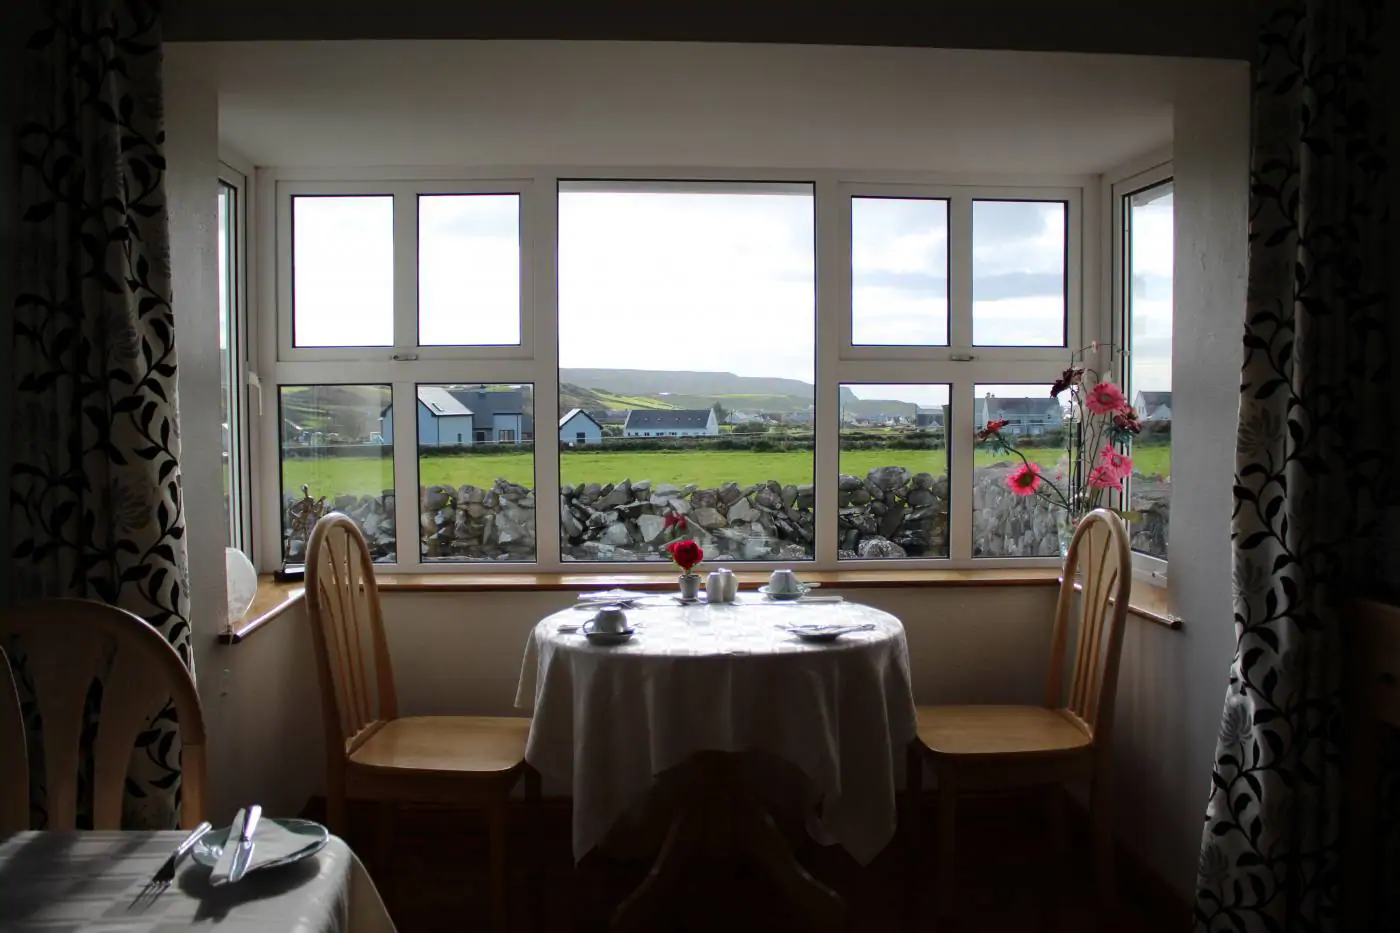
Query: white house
{"points": [[452, 417], [1023, 416], [1153, 406], [671, 422], [578, 428]]}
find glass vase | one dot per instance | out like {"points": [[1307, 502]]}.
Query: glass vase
{"points": [[1065, 524]]}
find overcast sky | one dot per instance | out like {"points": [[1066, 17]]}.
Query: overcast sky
{"points": [[712, 281]]}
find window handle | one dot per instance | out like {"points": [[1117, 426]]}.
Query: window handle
{"points": [[404, 357], [961, 357], [255, 383]]}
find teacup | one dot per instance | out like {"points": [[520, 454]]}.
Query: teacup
{"points": [[783, 583], [610, 620]]}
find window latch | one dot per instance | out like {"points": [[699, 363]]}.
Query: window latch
{"points": [[962, 357], [404, 357], [255, 383]]}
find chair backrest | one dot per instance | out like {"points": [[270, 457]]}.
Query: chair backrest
{"points": [[14, 756], [1099, 556], [352, 655], [65, 644]]}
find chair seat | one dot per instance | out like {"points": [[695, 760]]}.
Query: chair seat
{"points": [[446, 745], [972, 731]]}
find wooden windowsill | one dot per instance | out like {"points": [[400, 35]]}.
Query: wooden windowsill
{"points": [[274, 599]]}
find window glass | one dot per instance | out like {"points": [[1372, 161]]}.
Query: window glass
{"points": [[687, 335], [230, 387], [899, 271], [469, 269], [343, 271], [892, 494], [1005, 524], [337, 449], [1018, 273], [476, 472], [1148, 296]]}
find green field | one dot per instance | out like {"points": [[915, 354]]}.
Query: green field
{"points": [[334, 476]]}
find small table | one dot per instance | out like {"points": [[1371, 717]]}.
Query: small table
{"points": [[704, 679], [88, 882]]}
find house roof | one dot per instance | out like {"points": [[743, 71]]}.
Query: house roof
{"points": [[667, 419], [441, 402], [1155, 399], [1036, 405], [575, 412], [487, 404]]}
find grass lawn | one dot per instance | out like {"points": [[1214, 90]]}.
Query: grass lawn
{"points": [[334, 476]]}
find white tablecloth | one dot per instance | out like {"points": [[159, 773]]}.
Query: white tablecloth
{"points": [[607, 720], [87, 882]]}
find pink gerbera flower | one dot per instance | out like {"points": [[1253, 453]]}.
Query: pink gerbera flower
{"points": [[1026, 480], [1105, 399], [1118, 463], [1101, 477]]}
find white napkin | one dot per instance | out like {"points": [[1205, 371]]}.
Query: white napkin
{"points": [[272, 841]]}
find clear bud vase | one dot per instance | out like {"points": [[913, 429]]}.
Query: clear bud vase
{"points": [[1065, 524]]}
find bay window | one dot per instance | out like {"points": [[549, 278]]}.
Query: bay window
{"points": [[543, 371]]}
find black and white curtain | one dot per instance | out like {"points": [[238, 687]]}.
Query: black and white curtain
{"points": [[1307, 530], [96, 507]]}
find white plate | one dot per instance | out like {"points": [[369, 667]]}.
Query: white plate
{"points": [[802, 589], [607, 638], [819, 632], [208, 849]]}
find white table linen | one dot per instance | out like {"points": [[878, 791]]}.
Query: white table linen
{"points": [[88, 882], [695, 678]]}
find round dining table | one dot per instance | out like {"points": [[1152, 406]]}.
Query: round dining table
{"points": [[727, 678]]}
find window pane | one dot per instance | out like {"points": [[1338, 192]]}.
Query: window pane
{"points": [[337, 450], [1018, 273], [1005, 524], [892, 496], [1148, 294], [476, 472], [469, 269], [229, 389], [899, 271], [687, 345], [343, 271]]}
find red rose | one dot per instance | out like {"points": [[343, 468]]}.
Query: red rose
{"points": [[991, 429], [685, 553]]}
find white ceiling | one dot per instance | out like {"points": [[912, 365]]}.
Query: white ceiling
{"points": [[510, 103]]}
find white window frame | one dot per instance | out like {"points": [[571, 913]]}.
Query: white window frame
{"points": [[1118, 186], [535, 360], [234, 173]]}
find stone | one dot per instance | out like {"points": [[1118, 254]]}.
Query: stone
{"points": [[619, 495], [471, 494], [788, 495], [641, 491], [704, 499], [920, 496], [572, 527], [879, 547], [860, 496], [922, 481], [708, 518], [617, 535], [740, 510], [433, 498], [847, 483], [667, 490], [889, 477], [650, 527], [602, 519], [679, 506], [791, 551], [890, 522], [730, 493], [768, 499]]}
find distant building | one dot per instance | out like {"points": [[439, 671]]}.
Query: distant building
{"points": [[1023, 416], [452, 417], [671, 422], [1153, 406], [578, 428], [928, 417]]}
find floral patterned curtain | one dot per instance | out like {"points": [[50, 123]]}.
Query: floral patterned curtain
{"points": [[1307, 508], [95, 503]]}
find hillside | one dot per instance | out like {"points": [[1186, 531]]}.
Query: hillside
{"points": [[638, 382]]}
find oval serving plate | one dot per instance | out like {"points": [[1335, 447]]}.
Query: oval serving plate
{"points": [[207, 851]]}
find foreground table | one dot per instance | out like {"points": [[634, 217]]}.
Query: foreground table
{"points": [[700, 679], [88, 882]]}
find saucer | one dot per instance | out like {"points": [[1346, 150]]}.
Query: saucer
{"points": [[825, 633], [606, 638], [801, 591]]}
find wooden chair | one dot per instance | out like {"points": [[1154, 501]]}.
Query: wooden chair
{"points": [[14, 756], [986, 748], [65, 643], [371, 752]]}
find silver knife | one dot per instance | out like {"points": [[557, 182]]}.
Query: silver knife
{"points": [[225, 862], [238, 848]]}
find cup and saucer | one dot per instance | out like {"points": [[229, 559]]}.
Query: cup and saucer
{"points": [[608, 627], [784, 585]]}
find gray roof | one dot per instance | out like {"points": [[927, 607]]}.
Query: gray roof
{"points": [[669, 419], [487, 404], [569, 415], [1037, 405], [441, 402]]}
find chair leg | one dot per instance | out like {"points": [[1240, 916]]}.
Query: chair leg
{"points": [[947, 841], [1101, 832], [500, 879], [535, 816], [383, 862], [913, 829]]}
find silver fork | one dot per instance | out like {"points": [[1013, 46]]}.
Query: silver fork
{"points": [[166, 873]]}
